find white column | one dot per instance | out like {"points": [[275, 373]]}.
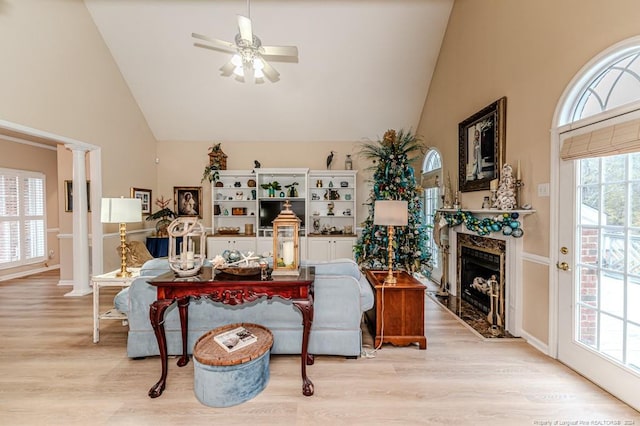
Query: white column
{"points": [[96, 244], [80, 228]]}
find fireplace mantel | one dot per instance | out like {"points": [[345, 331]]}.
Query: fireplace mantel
{"points": [[513, 263]]}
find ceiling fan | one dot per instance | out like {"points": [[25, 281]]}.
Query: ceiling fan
{"points": [[248, 61]]}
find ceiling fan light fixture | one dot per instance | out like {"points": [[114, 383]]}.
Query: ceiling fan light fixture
{"points": [[236, 60], [249, 57], [258, 64]]}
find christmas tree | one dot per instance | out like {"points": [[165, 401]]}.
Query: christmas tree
{"points": [[393, 179]]}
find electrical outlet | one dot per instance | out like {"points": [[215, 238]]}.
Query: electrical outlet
{"points": [[543, 190]]}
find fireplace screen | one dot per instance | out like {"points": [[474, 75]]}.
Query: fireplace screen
{"points": [[481, 276]]}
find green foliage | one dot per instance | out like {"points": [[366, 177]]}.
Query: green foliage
{"points": [[162, 214], [210, 173], [271, 185], [393, 179]]}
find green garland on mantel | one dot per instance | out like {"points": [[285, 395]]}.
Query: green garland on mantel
{"points": [[507, 222]]}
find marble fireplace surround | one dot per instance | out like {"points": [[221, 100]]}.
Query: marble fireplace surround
{"points": [[513, 268]]}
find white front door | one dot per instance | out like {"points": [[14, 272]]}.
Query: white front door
{"points": [[599, 272]]}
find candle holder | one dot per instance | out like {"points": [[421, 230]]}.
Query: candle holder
{"points": [[191, 257], [286, 243], [518, 185], [494, 198]]}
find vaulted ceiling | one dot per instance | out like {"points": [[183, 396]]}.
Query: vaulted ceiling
{"points": [[363, 66]]}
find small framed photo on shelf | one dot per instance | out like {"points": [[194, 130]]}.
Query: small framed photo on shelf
{"points": [[145, 197], [68, 196], [188, 200], [481, 147]]}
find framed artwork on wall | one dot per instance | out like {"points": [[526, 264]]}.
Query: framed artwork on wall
{"points": [[68, 195], [188, 200], [145, 197], [481, 147]]}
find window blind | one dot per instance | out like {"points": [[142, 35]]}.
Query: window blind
{"points": [[621, 138], [22, 218]]}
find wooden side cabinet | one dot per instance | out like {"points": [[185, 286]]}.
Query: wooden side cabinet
{"points": [[398, 314]]}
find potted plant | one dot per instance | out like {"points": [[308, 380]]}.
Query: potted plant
{"points": [[163, 215], [272, 187], [217, 161]]}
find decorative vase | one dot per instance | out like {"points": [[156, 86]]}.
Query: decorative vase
{"points": [[348, 163], [161, 227], [272, 192]]}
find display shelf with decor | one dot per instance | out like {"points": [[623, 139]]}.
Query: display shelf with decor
{"points": [[293, 187], [331, 214], [233, 203], [234, 212], [243, 210]]}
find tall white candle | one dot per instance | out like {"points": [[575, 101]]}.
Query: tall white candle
{"points": [[190, 262], [287, 252], [519, 172], [183, 258]]}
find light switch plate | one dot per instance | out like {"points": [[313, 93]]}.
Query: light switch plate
{"points": [[543, 190]]}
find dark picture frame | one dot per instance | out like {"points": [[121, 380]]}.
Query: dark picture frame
{"points": [[68, 196], [145, 198], [481, 147], [187, 200]]}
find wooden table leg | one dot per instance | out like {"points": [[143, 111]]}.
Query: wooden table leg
{"points": [[306, 308], [183, 309], [156, 315]]}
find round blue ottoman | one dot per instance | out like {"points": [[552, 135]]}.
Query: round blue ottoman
{"points": [[223, 379]]}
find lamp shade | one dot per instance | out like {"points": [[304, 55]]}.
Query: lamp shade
{"points": [[121, 210], [391, 213]]}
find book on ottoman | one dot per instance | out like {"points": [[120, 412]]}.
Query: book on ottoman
{"points": [[235, 339]]}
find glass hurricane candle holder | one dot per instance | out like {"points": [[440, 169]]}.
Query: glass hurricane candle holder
{"points": [[191, 257]]}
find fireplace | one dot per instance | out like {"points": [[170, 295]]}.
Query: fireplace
{"points": [[481, 275], [497, 249]]}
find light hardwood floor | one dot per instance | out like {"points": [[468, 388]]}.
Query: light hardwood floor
{"points": [[52, 374]]}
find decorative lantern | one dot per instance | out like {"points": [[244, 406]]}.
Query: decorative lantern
{"points": [[191, 250], [286, 242]]}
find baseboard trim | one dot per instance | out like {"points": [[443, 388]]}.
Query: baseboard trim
{"points": [[23, 274]]}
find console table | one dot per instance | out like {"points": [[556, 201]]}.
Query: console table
{"points": [[230, 290], [398, 314]]}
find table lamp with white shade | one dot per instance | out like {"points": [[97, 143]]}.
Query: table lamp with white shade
{"points": [[122, 211], [390, 213]]}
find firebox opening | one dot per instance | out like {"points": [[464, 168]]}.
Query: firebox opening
{"points": [[478, 269]]}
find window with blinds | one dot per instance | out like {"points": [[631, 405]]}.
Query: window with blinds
{"points": [[22, 218]]}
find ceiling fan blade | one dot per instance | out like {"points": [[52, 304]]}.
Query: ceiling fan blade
{"points": [[244, 25], [279, 50], [270, 72], [218, 49], [220, 44]]}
